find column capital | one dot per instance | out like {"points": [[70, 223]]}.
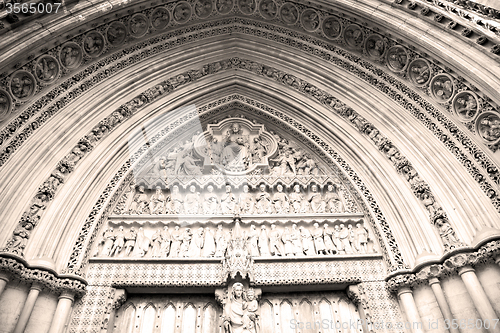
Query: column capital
{"points": [[66, 294], [404, 290], [4, 276], [433, 280], [36, 286], [465, 269]]}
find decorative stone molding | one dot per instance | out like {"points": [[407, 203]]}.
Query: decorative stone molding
{"points": [[19, 269], [204, 114], [447, 265]]}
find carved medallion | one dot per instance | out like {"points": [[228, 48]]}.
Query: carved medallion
{"points": [[375, 46], [138, 25], [397, 58], [466, 106], [247, 6], [268, 9], [71, 55], [5, 104], [419, 72], [235, 145], [310, 19], [332, 28], [289, 13], [93, 44], [224, 6], [203, 8], [47, 69], [160, 18], [116, 33], [182, 12], [22, 85], [354, 36], [442, 88], [488, 127]]}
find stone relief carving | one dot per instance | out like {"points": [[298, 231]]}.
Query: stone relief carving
{"points": [[5, 103], [93, 44], [332, 28], [309, 19], [354, 36], [71, 55], [224, 6], [397, 58], [247, 6], [116, 33], [138, 25], [47, 69], [268, 9], [160, 18], [442, 87], [419, 72], [466, 106], [203, 8], [289, 13], [238, 244], [22, 85], [182, 12], [375, 46], [240, 308], [488, 127]]}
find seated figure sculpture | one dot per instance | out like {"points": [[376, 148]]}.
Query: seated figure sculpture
{"points": [[240, 311]]}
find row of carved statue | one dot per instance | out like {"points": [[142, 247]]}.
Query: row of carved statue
{"points": [[203, 243], [260, 202]]}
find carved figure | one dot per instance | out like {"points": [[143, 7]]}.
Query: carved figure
{"points": [[428, 202], [157, 202], [286, 238], [215, 151], [187, 235], [70, 56], [208, 244], [264, 242], [327, 237], [4, 103], [447, 234], [175, 248], [192, 201], [228, 201], [263, 200], [130, 238], [397, 58], [107, 240], [333, 204], [239, 315], [315, 202], [116, 33], [246, 201], [235, 153], [420, 73], [467, 107], [224, 6], [275, 244], [18, 242], [156, 239], [332, 27], [352, 237], [210, 202], [176, 200], [220, 242], [296, 199], [247, 6], [22, 86], [259, 149], [253, 242], [354, 36], [203, 8], [93, 44], [336, 240], [185, 163], [46, 69], [361, 236], [307, 242], [281, 201], [345, 239], [289, 13], [268, 9], [310, 20], [138, 25], [182, 12], [319, 242], [141, 244], [166, 240], [442, 88], [196, 244], [118, 243], [140, 203], [159, 18], [284, 164], [489, 128]]}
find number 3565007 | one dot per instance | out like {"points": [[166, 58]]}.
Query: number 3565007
{"points": [[32, 8]]}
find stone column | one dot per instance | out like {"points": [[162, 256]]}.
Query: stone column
{"points": [[62, 312], [405, 294], [479, 298], [27, 308], [4, 279], [441, 300]]}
